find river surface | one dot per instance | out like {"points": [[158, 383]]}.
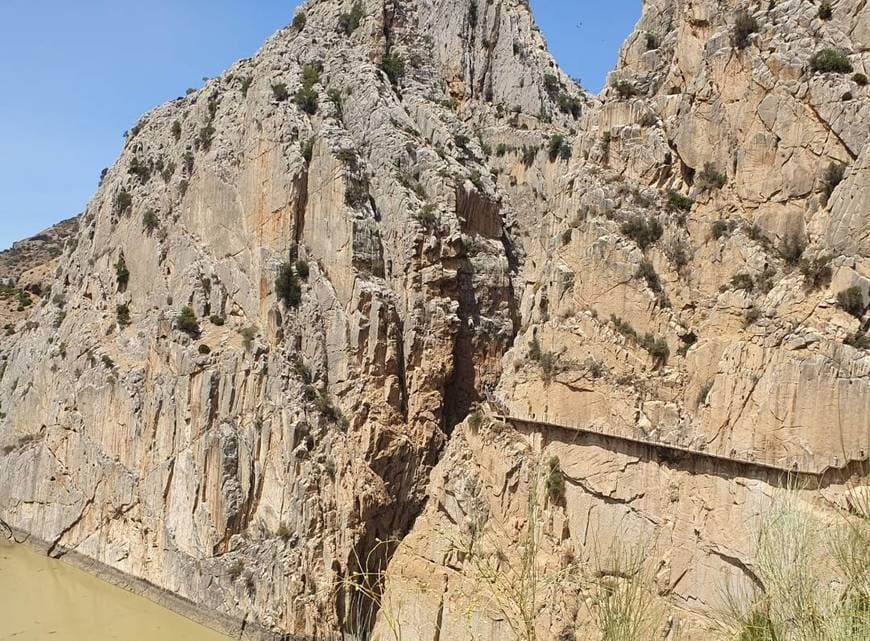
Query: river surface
{"points": [[42, 599]]}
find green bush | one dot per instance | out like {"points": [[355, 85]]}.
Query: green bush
{"points": [[858, 340], [658, 349], [123, 314], [287, 286], [651, 42], [150, 221], [186, 321], [217, 321], [280, 92], [555, 481], [204, 349], [122, 274], [394, 67], [283, 532], [306, 99], [552, 85], [123, 201], [558, 146], [302, 270], [743, 282], [529, 155], [792, 249], [833, 176], [826, 12], [643, 231], [501, 149], [245, 85], [710, 178], [623, 327], [348, 22], [625, 89], [817, 272], [204, 137], [851, 301], [830, 61], [744, 26], [299, 21], [569, 104], [860, 79], [678, 201], [647, 272]]}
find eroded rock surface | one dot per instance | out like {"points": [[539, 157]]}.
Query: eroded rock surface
{"points": [[463, 223]]}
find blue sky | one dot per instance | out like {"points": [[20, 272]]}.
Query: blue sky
{"points": [[76, 75]]}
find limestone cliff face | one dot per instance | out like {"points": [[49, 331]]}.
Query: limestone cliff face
{"points": [[470, 221]]}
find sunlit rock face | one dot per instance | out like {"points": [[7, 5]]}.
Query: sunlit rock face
{"points": [[462, 223]]}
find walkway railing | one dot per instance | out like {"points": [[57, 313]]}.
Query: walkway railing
{"points": [[806, 465]]}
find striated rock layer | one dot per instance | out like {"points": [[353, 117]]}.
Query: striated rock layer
{"points": [[464, 223]]}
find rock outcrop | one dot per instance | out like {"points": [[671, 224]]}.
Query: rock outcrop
{"points": [[296, 283]]}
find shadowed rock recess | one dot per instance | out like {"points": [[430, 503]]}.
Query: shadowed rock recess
{"points": [[256, 358]]}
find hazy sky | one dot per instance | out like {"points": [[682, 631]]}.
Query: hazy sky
{"points": [[76, 75]]}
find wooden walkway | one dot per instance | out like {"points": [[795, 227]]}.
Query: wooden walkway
{"points": [[805, 466]]}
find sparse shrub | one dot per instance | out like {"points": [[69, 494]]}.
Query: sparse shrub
{"points": [[24, 300], [860, 79], [299, 21], [245, 85], [204, 349], [204, 137], [529, 155], [122, 274], [764, 281], [248, 336], [123, 201], [791, 249], [647, 272], [549, 363], [307, 149], [678, 253], [643, 231], [830, 61], [123, 315], [176, 130], [302, 269], [217, 321], [150, 221], [833, 177], [858, 340], [394, 67], [658, 349], [475, 420], [623, 327], [569, 104], [743, 282], [751, 316], [501, 149], [426, 215], [283, 532], [720, 229], [346, 156], [186, 322], [555, 482], [566, 236], [744, 26], [306, 99], [280, 91], [552, 85], [677, 201], [348, 22], [851, 301], [710, 178], [287, 286], [558, 146], [826, 12], [651, 42], [816, 272], [625, 89]]}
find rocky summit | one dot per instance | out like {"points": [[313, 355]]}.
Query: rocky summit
{"points": [[396, 285]]}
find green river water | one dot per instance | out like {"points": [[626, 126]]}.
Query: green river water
{"points": [[42, 599]]}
